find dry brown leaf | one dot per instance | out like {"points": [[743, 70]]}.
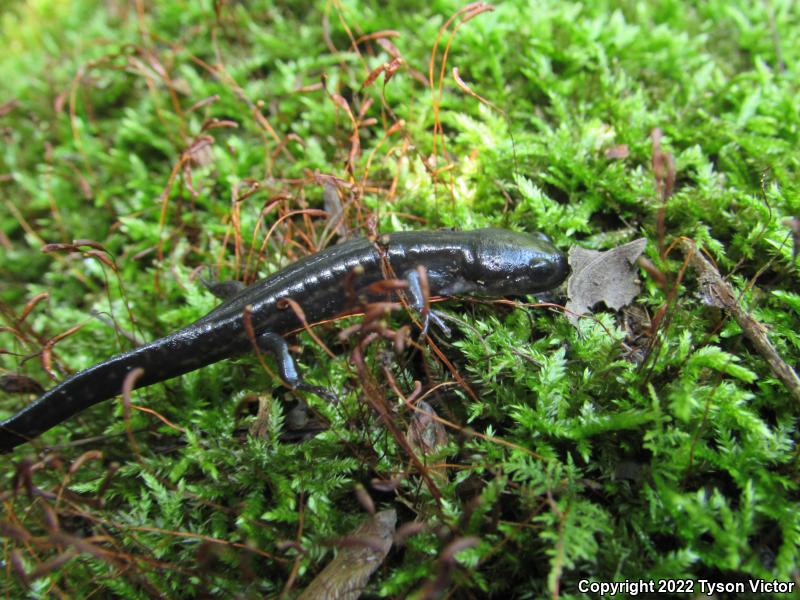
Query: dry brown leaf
{"points": [[427, 436], [360, 554], [609, 277]]}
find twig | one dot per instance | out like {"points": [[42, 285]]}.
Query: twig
{"points": [[720, 293]]}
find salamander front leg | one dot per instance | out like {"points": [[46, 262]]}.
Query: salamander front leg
{"points": [[275, 345], [418, 304]]}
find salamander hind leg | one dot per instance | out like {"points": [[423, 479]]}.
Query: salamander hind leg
{"points": [[274, 344]]}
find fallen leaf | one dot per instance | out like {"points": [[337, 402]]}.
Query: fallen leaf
{"points": [[427, 437], [425, 434], [359, 556], [609, 277], [333, 206]]}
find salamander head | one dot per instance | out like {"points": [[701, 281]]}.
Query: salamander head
{"points": [[512, 263]]}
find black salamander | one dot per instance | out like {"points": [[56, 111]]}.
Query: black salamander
{"points": [[486, 262]]}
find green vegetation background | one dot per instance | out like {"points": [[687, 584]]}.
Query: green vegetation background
{"points": [[590, 454]]}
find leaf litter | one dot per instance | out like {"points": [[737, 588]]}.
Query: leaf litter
{"points": [[608, 276]]}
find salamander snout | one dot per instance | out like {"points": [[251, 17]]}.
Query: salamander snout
{"points": [[516, 263], [550, 269]]}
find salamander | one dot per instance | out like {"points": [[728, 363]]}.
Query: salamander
{"points": [[484, 262]]}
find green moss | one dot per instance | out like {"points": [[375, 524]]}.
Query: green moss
{"points": [[580, 453]]}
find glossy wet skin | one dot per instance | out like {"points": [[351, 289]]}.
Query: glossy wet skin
{"points": [[486, 262], [511, 263], [499, 262]]}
